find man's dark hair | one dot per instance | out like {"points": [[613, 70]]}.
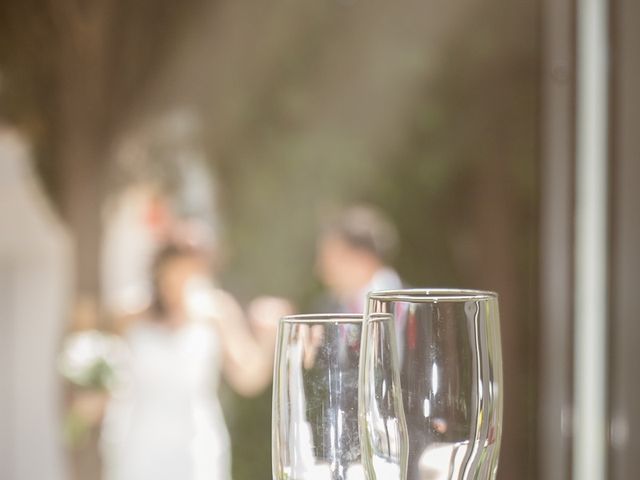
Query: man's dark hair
{"points": [[365, 228]]}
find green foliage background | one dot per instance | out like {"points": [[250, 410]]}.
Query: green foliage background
{"points": [[453, 162], [427, 109]]}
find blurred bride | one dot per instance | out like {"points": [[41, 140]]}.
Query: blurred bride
{"points": [[164, 420]]}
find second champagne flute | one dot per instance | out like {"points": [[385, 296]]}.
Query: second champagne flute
{"points": [[450, 369]]}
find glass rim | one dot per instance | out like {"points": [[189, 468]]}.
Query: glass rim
{"points": [[323, 318], [432, 295]]}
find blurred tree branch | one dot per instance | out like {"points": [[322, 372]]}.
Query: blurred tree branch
{"points": [[75, 72]]}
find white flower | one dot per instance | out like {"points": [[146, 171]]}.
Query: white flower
{"points": [[91, 358]]}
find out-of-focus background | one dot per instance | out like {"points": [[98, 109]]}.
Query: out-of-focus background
{"points": [[261, 119]]}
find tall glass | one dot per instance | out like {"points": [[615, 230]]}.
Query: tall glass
{"points": [[315, 398], [450, 368], [383, 429]]}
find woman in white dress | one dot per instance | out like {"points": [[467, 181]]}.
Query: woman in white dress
{"points": [[164, 420]]}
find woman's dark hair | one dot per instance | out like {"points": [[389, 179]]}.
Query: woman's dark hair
{"points": [[165, 255]]}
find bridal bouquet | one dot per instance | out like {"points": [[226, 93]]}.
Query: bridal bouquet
{"points": [[89, 359]]}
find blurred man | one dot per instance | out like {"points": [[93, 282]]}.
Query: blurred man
{"points": [[352, 258]]}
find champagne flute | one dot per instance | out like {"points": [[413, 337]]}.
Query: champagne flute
{"points": [[450, 369], [315, 398]]}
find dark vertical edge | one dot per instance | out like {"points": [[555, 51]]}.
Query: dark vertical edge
{"points": [[557, 237], [624, 327]]}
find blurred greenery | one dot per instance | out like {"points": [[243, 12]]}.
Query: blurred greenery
{"points": [[455, 165], [427, 109]]}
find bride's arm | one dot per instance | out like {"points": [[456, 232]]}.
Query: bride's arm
{"points": [[248, 357]]}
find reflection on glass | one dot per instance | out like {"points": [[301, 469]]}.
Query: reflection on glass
{"points": [[315, 398], [383, 430], [451, 375]]}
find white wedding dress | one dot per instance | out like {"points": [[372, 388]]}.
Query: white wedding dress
{"points": [[164, 422]]}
